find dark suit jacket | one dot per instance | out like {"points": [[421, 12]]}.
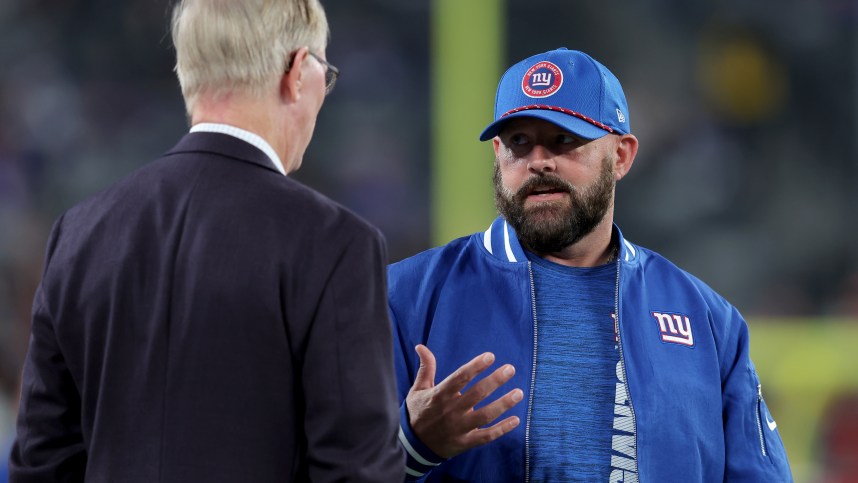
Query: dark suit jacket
{"points": [[208, 319]]}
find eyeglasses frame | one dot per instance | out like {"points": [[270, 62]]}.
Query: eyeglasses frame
{"points": [[331, 72]]}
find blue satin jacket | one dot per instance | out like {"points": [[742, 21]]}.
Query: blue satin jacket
{"points": [[688, 395]]}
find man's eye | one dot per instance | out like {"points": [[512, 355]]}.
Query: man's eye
{"points": [[518, 139], [566, 139]]}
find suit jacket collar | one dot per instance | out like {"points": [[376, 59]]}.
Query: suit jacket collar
{"points": [[224, 145]]}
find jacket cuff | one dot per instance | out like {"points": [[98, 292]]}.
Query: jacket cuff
{"points": [[420, 459]]}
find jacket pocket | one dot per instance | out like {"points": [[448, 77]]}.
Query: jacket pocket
{"points": [[765, 424], [767, 442], [761, 415]]}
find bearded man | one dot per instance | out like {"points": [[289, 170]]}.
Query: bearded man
{"points": [[621, 366]]}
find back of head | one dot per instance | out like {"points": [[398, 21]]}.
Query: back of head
{"points": [[241, 45]]}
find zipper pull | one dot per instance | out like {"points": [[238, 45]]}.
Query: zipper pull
{"points": [[759, 392]]}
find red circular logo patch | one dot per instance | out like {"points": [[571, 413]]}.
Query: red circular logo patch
{"points": [[542, 80]]}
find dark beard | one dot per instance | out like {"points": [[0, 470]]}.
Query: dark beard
{"points": [[550, 226]]}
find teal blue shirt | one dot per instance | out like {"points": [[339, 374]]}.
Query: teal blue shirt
{"points": [[576, 359]]}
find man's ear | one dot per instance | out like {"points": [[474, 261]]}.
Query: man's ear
{"points": [[627, 149], [290, 83]]}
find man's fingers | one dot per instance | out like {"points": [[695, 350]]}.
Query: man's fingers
{"points": [[483, 436], [491, 412], [487, 385], [425, 378], [460, 378]]}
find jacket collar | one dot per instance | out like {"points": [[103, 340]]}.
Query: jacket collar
{"points": [[247, 136], [501, 241], [224, 145]]}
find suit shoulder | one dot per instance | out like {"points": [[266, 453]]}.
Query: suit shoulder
{"points": [[325, 213]]}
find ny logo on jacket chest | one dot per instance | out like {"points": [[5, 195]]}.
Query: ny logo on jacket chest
{"points": [[674, 328]]}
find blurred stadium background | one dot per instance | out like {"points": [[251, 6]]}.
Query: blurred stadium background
{"points": [[746, 176]]}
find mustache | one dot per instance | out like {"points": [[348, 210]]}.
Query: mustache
{"points": [[544, 181]]}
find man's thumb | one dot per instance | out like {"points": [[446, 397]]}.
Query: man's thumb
{"points": [[425, 378]]}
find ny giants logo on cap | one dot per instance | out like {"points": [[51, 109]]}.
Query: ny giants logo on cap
{"points": [[542, 80]]}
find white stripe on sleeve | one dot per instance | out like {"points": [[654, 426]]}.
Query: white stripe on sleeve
{"points": [[412, 452]]}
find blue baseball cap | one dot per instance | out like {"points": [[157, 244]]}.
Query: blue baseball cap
{"points": [[565, 87]]}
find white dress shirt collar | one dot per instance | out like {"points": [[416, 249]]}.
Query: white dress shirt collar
{"points": [[246, 136]]}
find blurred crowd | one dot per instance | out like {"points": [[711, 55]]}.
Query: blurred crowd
{"points": [[746, 113]]}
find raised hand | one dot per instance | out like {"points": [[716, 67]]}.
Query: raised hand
{"points": [[444, 418]]}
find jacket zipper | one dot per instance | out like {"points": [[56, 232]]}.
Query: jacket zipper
{"points": [[532, 377], [759, 422], [623, 362]]}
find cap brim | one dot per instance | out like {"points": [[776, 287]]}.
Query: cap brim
{"points": [[572, 124]]}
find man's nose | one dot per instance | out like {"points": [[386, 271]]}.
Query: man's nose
{"points": [[541, 160]]}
